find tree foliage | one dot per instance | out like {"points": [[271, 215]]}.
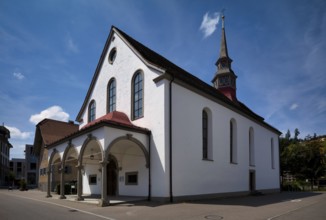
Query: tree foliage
{"points": [[305, 159]]}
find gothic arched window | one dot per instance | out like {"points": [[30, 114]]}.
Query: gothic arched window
{"points": [[91, 111], [251, 147], [233, 141], [137, 95], [111, 96]]}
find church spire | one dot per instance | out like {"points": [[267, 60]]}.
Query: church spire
{"points": [[225, 79], [224, 48]]}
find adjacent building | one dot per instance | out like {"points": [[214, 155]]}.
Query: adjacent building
{"points": [[31, 167], [47, 131], [18, 169], [4, 156], [149, 128]]}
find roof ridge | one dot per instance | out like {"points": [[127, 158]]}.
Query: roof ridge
{"points": [[55, 120], [135, 43]]}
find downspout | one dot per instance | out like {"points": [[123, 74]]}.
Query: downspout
{"points": [[279, 166], [170, 136], [149, 169]]}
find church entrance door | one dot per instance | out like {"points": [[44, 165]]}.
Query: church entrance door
{"points": [[112, 179], [252, 181]]}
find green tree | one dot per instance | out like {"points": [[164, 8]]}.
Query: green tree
{"points": [[287, 135], [304, 160], [314, 165], [296, 135]]}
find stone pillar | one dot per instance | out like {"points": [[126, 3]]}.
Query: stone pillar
{"points": [[79, 182], [104, 195], [48, 195], [62, 183]]}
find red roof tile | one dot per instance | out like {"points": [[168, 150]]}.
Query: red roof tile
{"points": [[53, 130], [115, 117]]}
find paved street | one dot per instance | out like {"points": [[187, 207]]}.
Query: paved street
{"points": [[33, 205]]}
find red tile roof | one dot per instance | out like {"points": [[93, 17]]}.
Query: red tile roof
{"points": [[115, 117], [52, 130]]}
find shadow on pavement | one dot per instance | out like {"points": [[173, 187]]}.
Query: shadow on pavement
{"points": [[251, 201], [258, 200]]}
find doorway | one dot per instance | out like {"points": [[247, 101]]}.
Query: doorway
{"points": [[112, 176], [252, 181]]}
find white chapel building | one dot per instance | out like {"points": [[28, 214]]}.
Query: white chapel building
{"points": [[149, 128]]}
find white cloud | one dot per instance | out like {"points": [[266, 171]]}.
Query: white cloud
{"points": [[54, 112], [294, 106], [18, 76], [71, 45], [209, 23], [16, 133]]}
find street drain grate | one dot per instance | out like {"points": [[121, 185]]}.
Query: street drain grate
{"points": [[213, 217], [73, 210]]}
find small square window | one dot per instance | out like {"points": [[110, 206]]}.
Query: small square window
{"points": [[131, 178], [33, 166], [92, 179]]}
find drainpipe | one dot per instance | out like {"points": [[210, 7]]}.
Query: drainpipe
{"points": [[149, 169], [170, 136]]}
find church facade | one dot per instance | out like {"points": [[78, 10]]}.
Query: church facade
{"points": [[149, 128]]}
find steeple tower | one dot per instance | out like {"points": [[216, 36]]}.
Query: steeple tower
{"points": [[225, 79]]}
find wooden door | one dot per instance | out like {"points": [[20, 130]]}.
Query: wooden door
{"points": [[112, 178]]}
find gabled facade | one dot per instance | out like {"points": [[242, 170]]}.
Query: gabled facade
{"points": [[47, 131], [149, 128]]}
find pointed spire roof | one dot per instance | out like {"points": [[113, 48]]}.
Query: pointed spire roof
{"points": [[223, 48], [225, 79]]}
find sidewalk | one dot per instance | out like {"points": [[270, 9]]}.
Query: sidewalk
{"points": [[114, 200], [271, 207]]}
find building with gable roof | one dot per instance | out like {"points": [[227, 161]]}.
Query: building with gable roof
{"points": [[149, 128], [48, 131]]}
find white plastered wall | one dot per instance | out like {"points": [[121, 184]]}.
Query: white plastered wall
{"points": [[155, 97], [194, 176]]}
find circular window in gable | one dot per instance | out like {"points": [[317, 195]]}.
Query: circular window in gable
{"points": [[112, 55]]}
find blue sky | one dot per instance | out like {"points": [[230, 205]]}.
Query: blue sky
{"points": [[49, 51]]}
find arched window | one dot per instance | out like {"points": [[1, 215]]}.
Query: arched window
{"points": [[91, 111], [207, 134], [111, 96], [233, 141], [272, 153], [137, 95], [251, 147]]}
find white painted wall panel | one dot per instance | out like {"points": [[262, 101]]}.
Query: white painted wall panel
{"points": [[194, 176]]}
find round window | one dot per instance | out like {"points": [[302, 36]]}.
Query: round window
{"points": [[112, 55]]}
